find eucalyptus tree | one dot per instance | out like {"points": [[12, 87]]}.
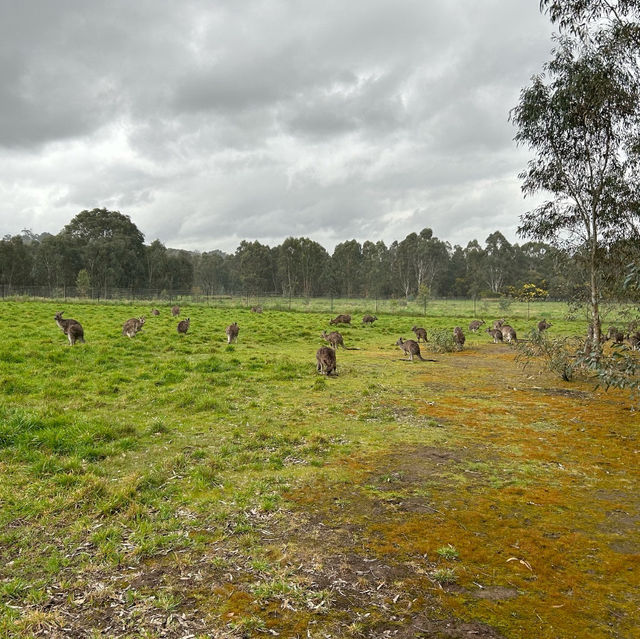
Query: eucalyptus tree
{"points": [[253, 267], [110, 245], [375, 269], [346, 267], [430, 260], [15, 262], [499, 257], [581, 118], [211, 272]]}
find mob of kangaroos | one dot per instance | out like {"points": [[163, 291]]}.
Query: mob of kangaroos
{"points": [[70, 327]]}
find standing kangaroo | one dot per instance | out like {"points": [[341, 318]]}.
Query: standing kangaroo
{"points": [[543, 325], [475, 325], [232, 332], [508, 333], [335, 339], [496, 334], [183, 326], [421, 333], [411, 348], [132, 326], [458, 337], [71, 328], [326, 360], [175, 310]]}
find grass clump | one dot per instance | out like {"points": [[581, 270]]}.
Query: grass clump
{"points": [[448, 552]]}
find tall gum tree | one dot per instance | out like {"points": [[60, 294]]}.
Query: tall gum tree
{"points": [[581, 119]]}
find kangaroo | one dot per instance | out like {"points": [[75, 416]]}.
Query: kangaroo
{"points": [[458, 337], [411, 348], [232, 332], [155, 311], [421, 333], [475, 325], [183, 326], [634, 340], [543, 325], [496, 334], [256, 309], [335, 339], [497, 324], [326, 361], [175, 310], [508, 333], [70, 327], [369, 319], [341, 319], [132, 326]]}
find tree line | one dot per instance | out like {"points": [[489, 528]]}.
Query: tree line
{"points": [[101, 250]]}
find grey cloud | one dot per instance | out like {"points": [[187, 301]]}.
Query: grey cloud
{"points": [[208, 122]]}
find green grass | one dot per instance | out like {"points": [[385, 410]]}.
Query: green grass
{"points": [[175, 474]]}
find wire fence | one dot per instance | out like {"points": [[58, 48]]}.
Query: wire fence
{"points": [[451, 307]]}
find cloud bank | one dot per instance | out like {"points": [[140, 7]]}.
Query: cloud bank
{"points": [[208, 123]]}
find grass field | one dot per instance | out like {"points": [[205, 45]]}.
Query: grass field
{"points": [[176, 486]]}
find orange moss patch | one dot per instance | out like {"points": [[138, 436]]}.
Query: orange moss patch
{"points": [[538, 493]]}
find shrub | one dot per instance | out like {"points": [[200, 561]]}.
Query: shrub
{"points": [[441, 341], [559, 355]]}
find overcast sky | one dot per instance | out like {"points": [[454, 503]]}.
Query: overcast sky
{"points": [[209, 122]]}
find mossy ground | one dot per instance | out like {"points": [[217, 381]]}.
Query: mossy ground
{"points": [[167, 485]]}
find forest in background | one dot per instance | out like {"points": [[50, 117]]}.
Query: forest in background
{"points": [[101, 250]]}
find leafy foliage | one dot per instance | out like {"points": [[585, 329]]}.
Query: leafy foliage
{"points": [[558, 355]]}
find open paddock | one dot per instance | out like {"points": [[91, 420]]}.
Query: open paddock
{"points": [[172, 485]]}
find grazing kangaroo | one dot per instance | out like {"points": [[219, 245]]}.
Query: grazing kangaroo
{"points": [[155, 311], [183, 326], [335, 339], [256, 309], [175, 310], [341, 319], [421, 333], [132, 326], [232, 332], [458, 337], [475, 325], [369, 319], [496, 334], [70, 327], [543, 325], [497, 324], [508, 333], [411, 348], [326, 360]]}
